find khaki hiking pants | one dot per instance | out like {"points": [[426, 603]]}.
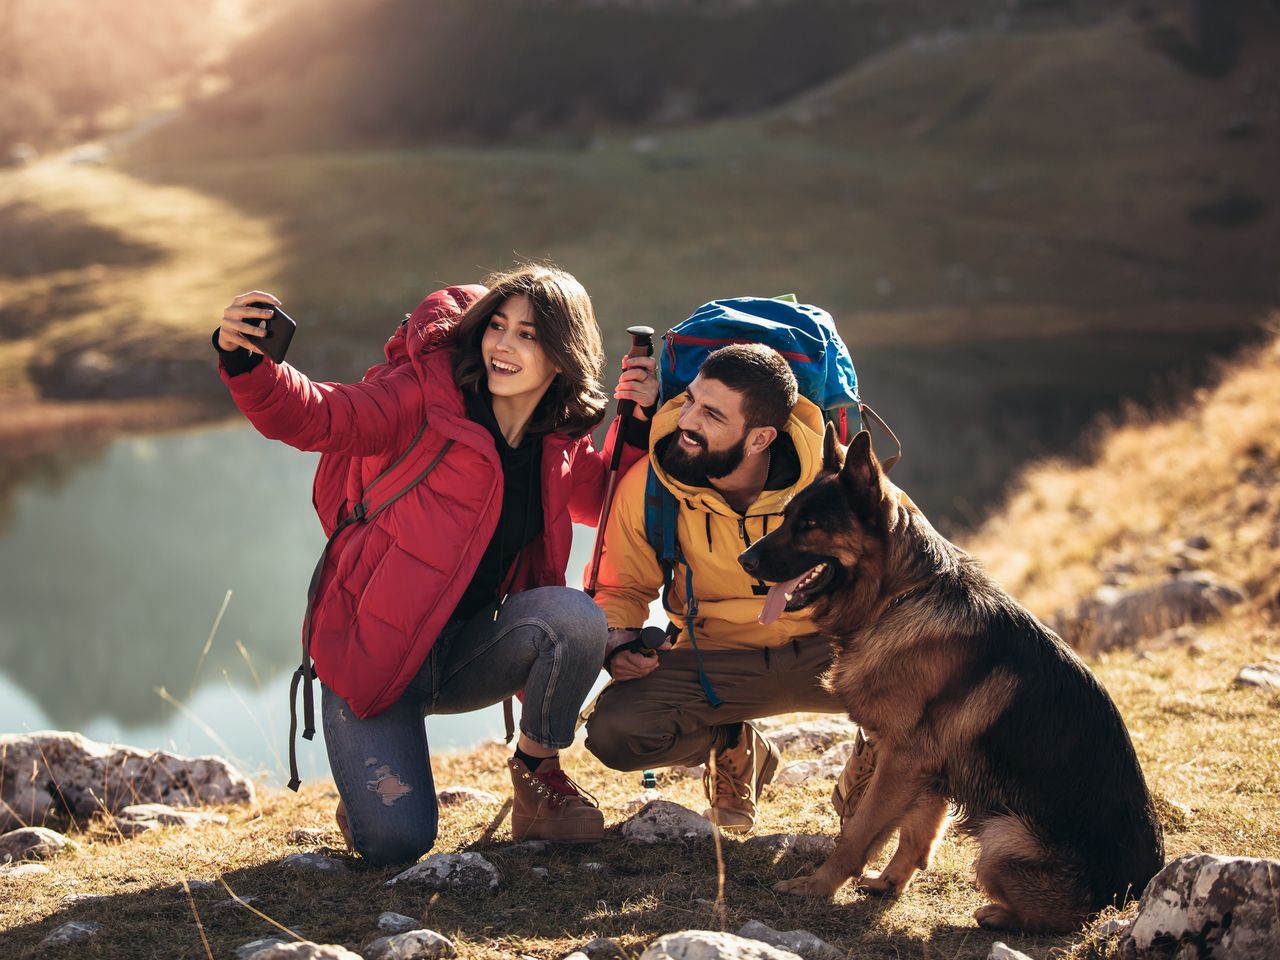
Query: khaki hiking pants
{"points": [[664, 719]]}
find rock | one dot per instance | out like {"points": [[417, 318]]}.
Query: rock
{"points": [[395, 922], [709, 945], [413, 945], [807, 846], [168, 816], [665, 822], [829, 766], [68, 933], [1109, 928], [305, 950], [233, 904], [25, 869], [542, 873], [1113, 617], [465, 796], [576, 955], [1002, 951], [250, 949], [1197, 542], [41, 773], [33, 843], [304, 835], [601, 948], [800, 942], [813, 736], [451, 871], [638, 802], [593, 867], [1208, 906], [312, 861], [83, 899], [201, 884], [1254, 675], [688, 772], [135, 828], [526, 846]]}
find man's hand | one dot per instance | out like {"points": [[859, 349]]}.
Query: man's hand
{"points": [[632, 665]]}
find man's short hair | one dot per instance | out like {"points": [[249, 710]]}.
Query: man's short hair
{"points": [[763, 379]]}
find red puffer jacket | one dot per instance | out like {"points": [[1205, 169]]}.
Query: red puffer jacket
{"points": [[389, 585]]}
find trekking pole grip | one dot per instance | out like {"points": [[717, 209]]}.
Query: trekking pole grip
{"points": [[641, 346]]}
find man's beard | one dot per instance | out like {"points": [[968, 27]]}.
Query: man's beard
{"points": [[699, 469]]}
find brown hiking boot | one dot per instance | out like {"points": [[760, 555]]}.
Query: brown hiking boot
{"points": [[741, 773], [550, 806], [854, 778]]}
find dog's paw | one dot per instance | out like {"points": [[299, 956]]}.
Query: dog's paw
{"points": [[810, 886], [995, 916], [882, 886]]}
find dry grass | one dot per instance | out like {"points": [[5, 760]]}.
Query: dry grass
{"points": [[1206, 467], [1210, 750]]}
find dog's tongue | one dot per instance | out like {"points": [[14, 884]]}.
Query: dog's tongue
{"points": [[776, 601]]}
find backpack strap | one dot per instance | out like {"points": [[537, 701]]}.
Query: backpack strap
{"points": [[362, 512], [661, 513], [875, 418]]}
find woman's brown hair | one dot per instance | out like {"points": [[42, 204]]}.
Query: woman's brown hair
{"points": [[567, 332]]}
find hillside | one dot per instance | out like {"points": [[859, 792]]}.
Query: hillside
{"points": [[1203, 469]]}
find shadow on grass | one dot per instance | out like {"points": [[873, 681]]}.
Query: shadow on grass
{"points": [[632, 894]]}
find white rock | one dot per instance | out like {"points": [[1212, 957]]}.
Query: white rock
{"points": [[304, 835], [1002, 951], [451, 871], [24, 869], [593, 867], [800, 942], [312, 861], [72, 932], [41, 772], [542, 873], [1221, 906], [638, 802], [395, 922], [253, 947], [413, 945], [1260, 675], [168, 816], [576, 955], [665, 822], [1109, 928], [829, 766], [306, 950], [813, 736], [33, 843], [83, 899], [710, 945], [465, 796]]}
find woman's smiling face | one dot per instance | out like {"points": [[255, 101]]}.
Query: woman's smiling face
{"points": [[514, 360]]}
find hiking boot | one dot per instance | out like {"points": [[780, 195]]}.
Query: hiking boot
{"points": [[341, 816], [550, 806], [741, 773], [854, 778]]}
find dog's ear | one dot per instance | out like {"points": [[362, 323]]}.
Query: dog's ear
{"points": [[832, 453], [862, 479]]}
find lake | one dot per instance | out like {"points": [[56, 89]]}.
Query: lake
{"points": [[115, 574]]}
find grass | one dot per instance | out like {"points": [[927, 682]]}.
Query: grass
{"points": [[1210, 750]]}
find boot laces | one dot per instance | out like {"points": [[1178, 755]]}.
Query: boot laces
{"points": [[562, 788]]}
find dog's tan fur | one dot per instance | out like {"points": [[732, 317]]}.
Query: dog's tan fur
{"points": [[944, 670]]}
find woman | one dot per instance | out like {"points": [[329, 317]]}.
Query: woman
{"points": [[451, 596]]}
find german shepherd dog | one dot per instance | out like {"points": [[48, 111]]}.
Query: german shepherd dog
{"points": [[969, 701]]}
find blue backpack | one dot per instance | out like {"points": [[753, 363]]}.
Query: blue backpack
{"points": [[807, 338]]}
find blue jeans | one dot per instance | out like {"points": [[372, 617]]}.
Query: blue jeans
{"points": [[548, 642]]}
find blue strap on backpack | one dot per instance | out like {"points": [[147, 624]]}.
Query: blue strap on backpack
{"points": [[807, 339]]}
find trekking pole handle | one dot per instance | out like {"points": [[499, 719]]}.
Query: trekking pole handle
{"points": [[641, 346]]}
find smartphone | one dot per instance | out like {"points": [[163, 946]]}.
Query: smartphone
{"points": [[280, 328]]}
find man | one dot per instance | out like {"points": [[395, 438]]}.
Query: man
{"points": [[733, 450]]}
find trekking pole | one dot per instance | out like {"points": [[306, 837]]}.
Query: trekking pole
{"points": [[641, 346]]}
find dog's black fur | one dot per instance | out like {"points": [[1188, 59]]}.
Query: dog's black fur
{"points": [[969, 700]]}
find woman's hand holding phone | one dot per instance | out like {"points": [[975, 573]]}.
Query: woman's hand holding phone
{"points": [[243, 324]]}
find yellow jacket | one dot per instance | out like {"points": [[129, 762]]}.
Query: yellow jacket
{"points": [[711, 535]]}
